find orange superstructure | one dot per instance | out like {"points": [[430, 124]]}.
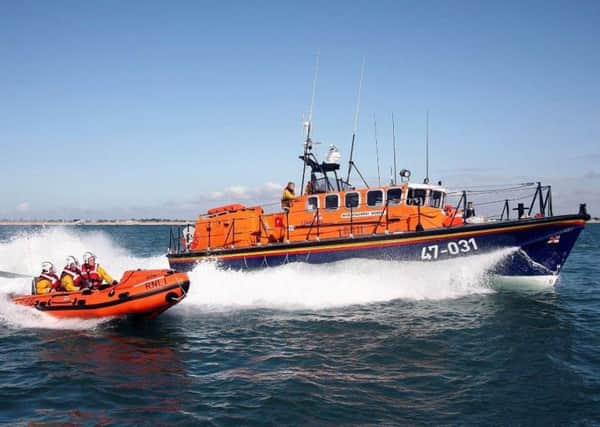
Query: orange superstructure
{"points": [[328, 214]]}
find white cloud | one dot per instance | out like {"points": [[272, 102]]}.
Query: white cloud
{"points": [[237, 190], [23, 207], [272, 186], [216, 195], [592, 175], [264, 194]]}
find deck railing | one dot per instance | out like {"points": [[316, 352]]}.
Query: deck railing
{"points": [[317, 229]]}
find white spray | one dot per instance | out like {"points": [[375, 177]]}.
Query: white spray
{"points": [[293, 286]]}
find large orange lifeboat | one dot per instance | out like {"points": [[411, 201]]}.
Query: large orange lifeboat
{"points": [[332, 220], [139, 293]]}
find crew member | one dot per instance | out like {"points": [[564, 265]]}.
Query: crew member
{"points": [[287, 196], [47, 281], [93, 273], [309, 189], [70, 278]]}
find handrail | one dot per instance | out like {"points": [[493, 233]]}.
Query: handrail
{"points": [[370, 218], [315, 218], [543, 202], [537, 190], [229, 232], [548, 201], [287, 225], [351, 218], [507, 209], [384, 211], [463, 196], [261, 224]]}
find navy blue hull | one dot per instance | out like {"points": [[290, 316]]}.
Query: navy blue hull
{"points": [[540, 247]]}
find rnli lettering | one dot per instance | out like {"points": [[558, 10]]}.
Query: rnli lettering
{"points": [[433, 252], [361, 214], [154, 284]]}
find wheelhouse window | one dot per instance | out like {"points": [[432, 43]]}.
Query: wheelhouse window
{"points": [[416, 196], [375, 198], [394, 196], [332, 201], [312, 203], [436, 199], [320, 185], [352, 200]]}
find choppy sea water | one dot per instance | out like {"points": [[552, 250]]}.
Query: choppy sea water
{"points": [[353, 343]]}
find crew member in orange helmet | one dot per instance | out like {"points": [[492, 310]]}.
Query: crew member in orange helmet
{"points": [[93, 273], [47, 281], [71, 278]]}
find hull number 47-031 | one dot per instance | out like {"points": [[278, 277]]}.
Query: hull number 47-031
{"points": [[432, 252]]}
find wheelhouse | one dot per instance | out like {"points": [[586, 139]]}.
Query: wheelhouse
{"points": [[406, 194]]}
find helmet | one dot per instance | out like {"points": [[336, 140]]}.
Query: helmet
{"points": [[87, 256], [47, 267], [71, 260]]}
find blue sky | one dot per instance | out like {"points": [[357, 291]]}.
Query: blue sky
{"points": [[113, 109]]}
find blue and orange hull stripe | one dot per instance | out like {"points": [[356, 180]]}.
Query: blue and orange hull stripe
{"points": [[380, 241]]}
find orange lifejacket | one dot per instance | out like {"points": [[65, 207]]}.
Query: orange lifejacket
{"points": [[91, 274], [54, 281], [74, 273]]}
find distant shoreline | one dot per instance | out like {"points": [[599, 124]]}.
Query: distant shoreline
{"points": [[97, 222]]}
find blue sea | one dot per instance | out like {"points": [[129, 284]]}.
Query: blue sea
{"points": [[351, 343]]}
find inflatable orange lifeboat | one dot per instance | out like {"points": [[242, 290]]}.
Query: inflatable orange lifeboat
{"points": [[139, 293]]}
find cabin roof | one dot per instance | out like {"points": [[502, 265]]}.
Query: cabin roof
{"points": [[426, 187]]}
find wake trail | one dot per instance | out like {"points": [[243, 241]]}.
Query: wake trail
{"points": [[293, 286], [299, 285], [24, 252]]}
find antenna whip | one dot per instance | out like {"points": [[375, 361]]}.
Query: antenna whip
{"points": [[377, 150], [362, 72], [309, 123], [427, 147], [394, 143]]}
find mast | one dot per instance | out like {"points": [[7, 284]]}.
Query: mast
{"points": [[394, 143], [427, 148], [377, 150], [308, 142], [350, 162]]}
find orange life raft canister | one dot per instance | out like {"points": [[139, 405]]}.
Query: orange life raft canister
{"points": [[227, 208]]}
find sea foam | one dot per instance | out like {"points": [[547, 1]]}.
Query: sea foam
{"points": [[293, 286]]}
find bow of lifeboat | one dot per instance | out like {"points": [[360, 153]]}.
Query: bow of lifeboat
{"points": [[139, 293]]}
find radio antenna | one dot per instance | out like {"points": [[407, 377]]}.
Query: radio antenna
{"points": [[394, 143], [350, 161], [427, 148], [308, 124], [314, 90], [376, 150]]}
